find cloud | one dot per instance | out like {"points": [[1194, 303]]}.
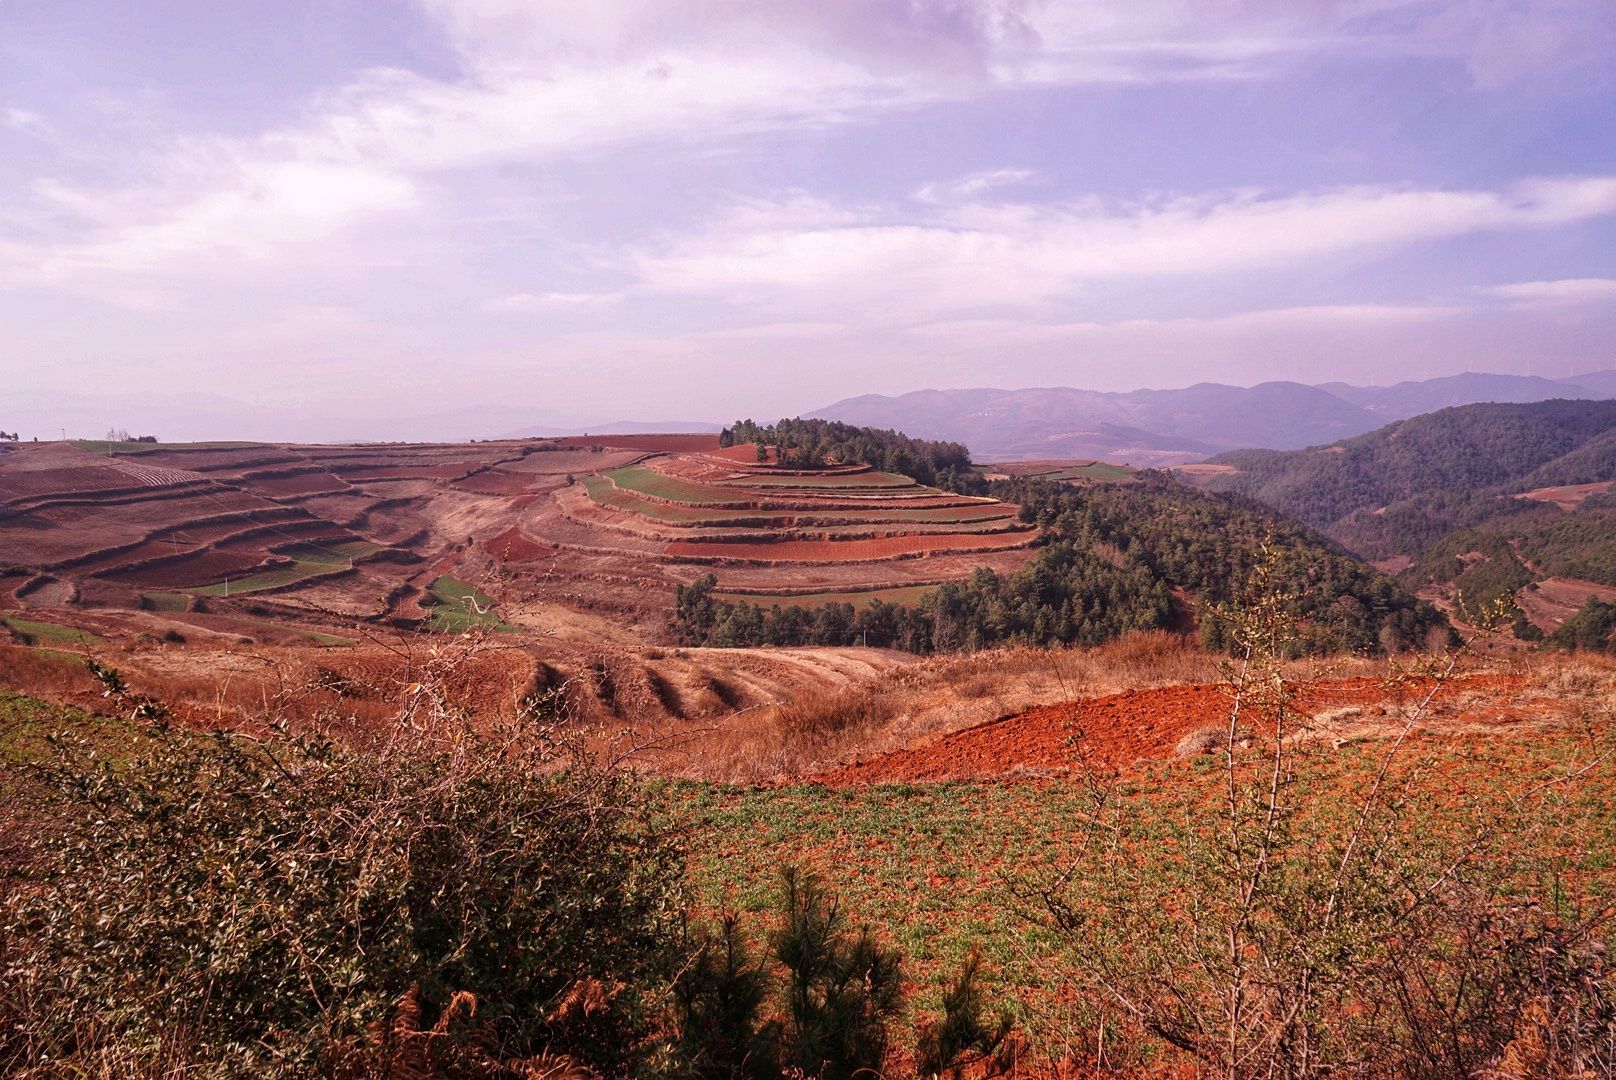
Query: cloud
{"points": [[1565, 291], [267, 206], [973, 185], [520, 303], [26, 121], [546, 79], [813, 254]]}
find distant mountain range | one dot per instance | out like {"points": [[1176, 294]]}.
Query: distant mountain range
{"points": [[1169, 427]]}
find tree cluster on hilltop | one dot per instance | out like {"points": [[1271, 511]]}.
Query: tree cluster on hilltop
{"points": [[812, 444], [1117, 558]]}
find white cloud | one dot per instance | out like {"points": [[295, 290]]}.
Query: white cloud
{"points": [[971, 256], [26, 121], [1563, 291], [551, 78], [973, 185], [520, 303]]}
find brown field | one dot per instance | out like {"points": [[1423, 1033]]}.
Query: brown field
{"points": [[673, 443], [333, 553]]}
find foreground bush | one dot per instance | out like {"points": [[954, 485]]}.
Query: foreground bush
{"points": [[1327, 911], [233, 906]]}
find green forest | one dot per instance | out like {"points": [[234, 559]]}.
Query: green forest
{"points": [[1144, 556], [813, 444]]}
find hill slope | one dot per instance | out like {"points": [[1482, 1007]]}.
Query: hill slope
{"points": [[1483, 501], [1462, 449], [1151, 554], [1165, 427]]}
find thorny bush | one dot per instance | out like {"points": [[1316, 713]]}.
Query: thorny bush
{"points": [[1336, 911], [228, 905]]}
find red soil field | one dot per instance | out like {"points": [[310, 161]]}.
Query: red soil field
{"points": [[24, 483], [198, 569], [451, 471], [512, 545], [579, 462], [671, 444], [497, 482], [744, 454], [1569, 496], [1109, 733], [300, 484], [847, 550]]}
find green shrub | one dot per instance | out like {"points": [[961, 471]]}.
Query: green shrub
{"points": [[824, 1014], [842, 988], [290, 906]]}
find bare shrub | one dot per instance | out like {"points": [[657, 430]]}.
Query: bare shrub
{"points": [[1340, 912], [453, 894]]}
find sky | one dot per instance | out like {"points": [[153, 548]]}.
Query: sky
{"points": [[358, 218]]}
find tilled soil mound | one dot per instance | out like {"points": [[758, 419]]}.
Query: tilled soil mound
{"points": [[1119, 731]]}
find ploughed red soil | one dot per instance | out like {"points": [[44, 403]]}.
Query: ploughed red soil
{"points": [[1132, 728], [512, 545], [672, 443]]}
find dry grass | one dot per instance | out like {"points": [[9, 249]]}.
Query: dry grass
{"points": [[817, 729]]}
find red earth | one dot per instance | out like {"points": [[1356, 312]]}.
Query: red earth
{"points": [[512, 545], [1115, 732], [670, 444]]}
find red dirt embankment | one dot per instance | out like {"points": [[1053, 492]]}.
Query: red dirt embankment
{"points": [[675, 443], [1107, 733]]}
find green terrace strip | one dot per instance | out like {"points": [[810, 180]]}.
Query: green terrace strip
{"points": [[901, 596], [871, 480], [35, 632], [603, 493], [660, 486], [166, 601], [314, 636], [308, 560], [458, 607]]}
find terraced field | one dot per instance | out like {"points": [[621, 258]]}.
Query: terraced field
{"points": [[726, 510], [567, 544]]}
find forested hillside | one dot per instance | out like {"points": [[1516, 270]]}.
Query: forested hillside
{"points": [[1481, 503], [1149, 555], [1460, 450]]}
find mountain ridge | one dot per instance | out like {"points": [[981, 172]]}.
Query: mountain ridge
{"points": [[1158, 427]]}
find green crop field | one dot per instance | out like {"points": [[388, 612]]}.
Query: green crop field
{"points": [[941, 868], [659, 486], [458, 607], [308, 560], [36, 632], [1100, 471], [603, 493], [165, 601]]}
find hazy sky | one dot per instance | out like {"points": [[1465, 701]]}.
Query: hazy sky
{"points": [[311, 217]]}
